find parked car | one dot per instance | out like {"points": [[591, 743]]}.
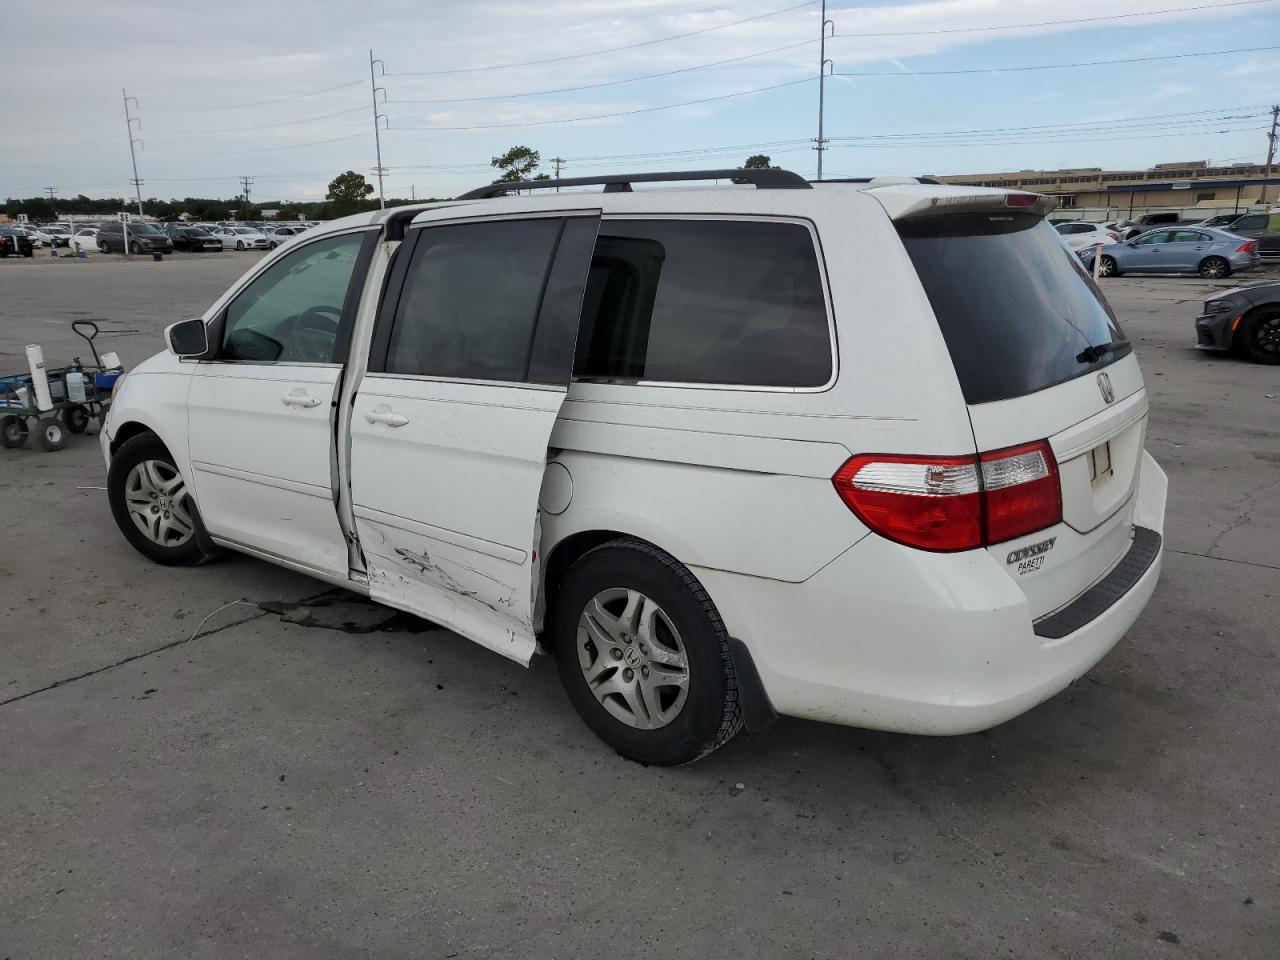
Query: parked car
{"points": [[15, 241], [241, 238], [616, 422], [192, 238], [1252, 225], [85, 238], [1127, 229], [59, 236], [1079, 234], [1212, 254], [143, 238], [280, 235], [1243, 319], [1164, 218], [1221, 221], [37, 240]]}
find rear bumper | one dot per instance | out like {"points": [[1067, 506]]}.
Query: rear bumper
{"points": [[890, 638]]}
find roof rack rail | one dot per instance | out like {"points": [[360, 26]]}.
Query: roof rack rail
{"points": [[621, 182], [932, 180]]}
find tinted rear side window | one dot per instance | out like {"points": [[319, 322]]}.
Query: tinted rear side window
{"points": [[705, 301], [1016, 309]]}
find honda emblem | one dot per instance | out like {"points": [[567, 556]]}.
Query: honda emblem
{"points": [[1104, 386]]}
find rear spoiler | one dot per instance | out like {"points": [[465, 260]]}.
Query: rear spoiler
{"points": [[903, 202]]}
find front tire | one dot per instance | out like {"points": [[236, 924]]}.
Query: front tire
{"points": [[1108, 267], [239, 244], [1214, 268], [644, 656], [152, 504], [1261, 336], [102, 247]]}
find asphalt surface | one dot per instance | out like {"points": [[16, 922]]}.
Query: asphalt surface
{"points": [[312, 776]]}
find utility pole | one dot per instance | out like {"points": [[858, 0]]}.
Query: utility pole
{"points": [[1271, 152], [823, 63], [129, 121], [377, 137], [50, 192], [558, 161], [246, 182]]}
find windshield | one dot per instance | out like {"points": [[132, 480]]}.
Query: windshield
{"points": [[144, 228], [1016, 309], [243, 230]]}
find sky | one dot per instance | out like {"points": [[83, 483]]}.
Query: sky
{"points": [[279, 90]]}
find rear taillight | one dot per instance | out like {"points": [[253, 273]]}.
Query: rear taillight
{"points": [[1246, 247], [1021, 492], [947, 504]]}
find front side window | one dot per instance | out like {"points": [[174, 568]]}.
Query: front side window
{"points": [[470, 300], [728, 302], [292, 312], [1189, 236]]}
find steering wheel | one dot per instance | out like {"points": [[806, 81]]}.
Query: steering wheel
{"points": [[313, 333], [321, 318]]}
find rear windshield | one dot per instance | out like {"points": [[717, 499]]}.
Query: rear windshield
{"points": [[1017, 310]]}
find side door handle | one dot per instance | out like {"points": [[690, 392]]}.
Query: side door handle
{"points": [[384, 414], [298, 397]]}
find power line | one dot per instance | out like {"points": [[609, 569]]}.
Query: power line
{"points": [[596, 53], [236, 153], [618, 113], [258, 103], [609, 83], [805, 43], [1054, 66], [1087, 123], [265, 126], [1059, 23]]}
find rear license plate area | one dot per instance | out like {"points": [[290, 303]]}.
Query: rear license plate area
{"points": [[1100, 470]]}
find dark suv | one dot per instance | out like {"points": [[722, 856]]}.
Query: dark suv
{"points": [[143, 238]]}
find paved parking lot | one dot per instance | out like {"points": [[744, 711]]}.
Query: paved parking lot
{"points": [[312, 776]]}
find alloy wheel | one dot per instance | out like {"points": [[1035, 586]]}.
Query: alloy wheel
{"points": [[158, 503], [633, 658], [1264, 335]]}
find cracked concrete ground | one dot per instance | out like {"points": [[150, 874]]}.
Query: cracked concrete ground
{"points": [[313, 777]]}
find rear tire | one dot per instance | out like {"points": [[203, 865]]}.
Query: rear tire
{"points": [[76, 419], [152, 505], [13, 432], [655, 623], [1108, 267], [1214, 268], [102, 247], [1260, 336]]}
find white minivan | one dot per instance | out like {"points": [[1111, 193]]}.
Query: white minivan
{"points": [[869, 453]]}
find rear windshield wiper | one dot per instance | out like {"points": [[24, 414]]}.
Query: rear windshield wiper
{"points": [[1095, 352]]}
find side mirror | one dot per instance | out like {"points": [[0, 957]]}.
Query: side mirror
{"points": [[187, 338]]}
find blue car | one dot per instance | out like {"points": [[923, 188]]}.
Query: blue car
{"points": [[1212, 254]]}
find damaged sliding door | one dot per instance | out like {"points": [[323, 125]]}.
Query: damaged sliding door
{"points": [[469, 364]]}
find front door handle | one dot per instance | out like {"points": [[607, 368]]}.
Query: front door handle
{"points": [[384, 414], [298, 397]]}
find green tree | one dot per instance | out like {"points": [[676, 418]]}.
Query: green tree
{"points": [[347, 191], [516, 164]]}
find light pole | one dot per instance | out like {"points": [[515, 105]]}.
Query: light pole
{"points": [[823, 64]]}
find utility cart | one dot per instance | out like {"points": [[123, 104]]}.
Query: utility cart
{"points": [[59, 399]]}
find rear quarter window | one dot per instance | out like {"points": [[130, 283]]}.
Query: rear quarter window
{"points": [[1016, 309], [729, 302]]}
